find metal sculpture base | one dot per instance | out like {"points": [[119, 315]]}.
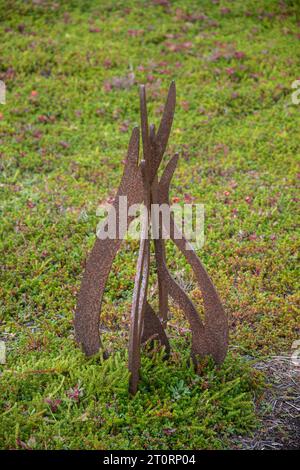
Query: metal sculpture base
{"points": [[140, 184]]}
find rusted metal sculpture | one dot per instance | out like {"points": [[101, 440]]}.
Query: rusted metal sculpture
{"points": [[140, 184]]}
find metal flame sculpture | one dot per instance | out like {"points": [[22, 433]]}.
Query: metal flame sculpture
{"points": [[140, 184]]}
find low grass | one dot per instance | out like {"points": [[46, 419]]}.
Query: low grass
{"points": [[70, 105]]}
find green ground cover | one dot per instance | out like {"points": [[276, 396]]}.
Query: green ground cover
{"points": [[71, 70]]}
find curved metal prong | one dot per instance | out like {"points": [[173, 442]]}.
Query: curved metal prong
{"points": [[133, 147], [168, 173], [99, 262]]}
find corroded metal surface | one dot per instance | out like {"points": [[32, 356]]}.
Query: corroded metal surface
{"points": [[140, 288], [98, 265], [140, 184]]}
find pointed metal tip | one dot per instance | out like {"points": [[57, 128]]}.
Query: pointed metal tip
{"points": [[135, 132]]}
